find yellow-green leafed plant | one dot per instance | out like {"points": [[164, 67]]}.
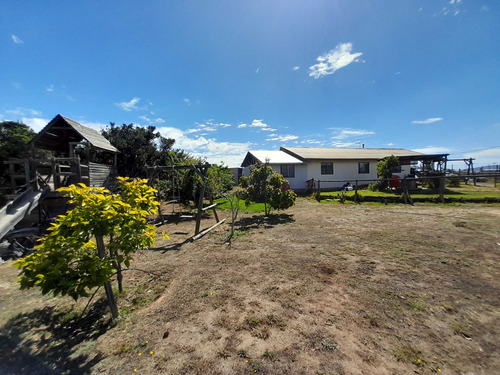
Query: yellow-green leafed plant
{"points": [[67, 262]]}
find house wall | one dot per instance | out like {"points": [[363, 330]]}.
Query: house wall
{"points": [[343, 171]]}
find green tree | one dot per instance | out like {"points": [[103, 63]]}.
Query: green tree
{"points": [[140, 147], [86, 247], [385, 168], [14, 137], [268, 187]]}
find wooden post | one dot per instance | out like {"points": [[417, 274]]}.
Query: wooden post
{"points": [[442, 182], [27, 174], [78, 170], [405, 190], [107, 285], [356, 192], [200, 209], [319, 187], [495, 177], [55, 176]]}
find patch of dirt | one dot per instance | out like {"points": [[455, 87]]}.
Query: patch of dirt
{"points": [[320, 289]]}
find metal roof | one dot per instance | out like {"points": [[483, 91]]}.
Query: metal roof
{"points": [[324, 153], [272, 157], [61, 130]]}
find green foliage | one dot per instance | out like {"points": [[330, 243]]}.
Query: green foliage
{"points": [[265, 185], [140, 147], [67, 262], [219, 180], [14, 137], [385, 168], [453, 181]]}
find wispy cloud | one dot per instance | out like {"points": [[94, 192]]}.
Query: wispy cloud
{"points": [[130, 105], [295, 68], [16, 39], [340, 144], [430, 120], [259, 124], [231, 153], [334, 60], [433, 150], [257, 71], [281, 138], [150, 121], [344, 133], [50, 88], [22, 112], [208, 126], [187, 101], [93, 125]]}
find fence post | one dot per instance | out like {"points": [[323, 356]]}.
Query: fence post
{"points": [[442, 181], [356, 192], [319, 187], [495, 177]]}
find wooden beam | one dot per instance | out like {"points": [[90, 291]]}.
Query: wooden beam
{"points": [[199, 235]]}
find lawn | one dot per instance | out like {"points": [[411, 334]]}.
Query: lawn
{"points": [[318, 289], [464, 192]]}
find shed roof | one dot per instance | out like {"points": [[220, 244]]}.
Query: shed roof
{"points": [[324, 153], [62, 130], [272, 157]]}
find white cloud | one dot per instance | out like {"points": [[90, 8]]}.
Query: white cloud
{"points": [[23, 112], [209, 126], [430, 120], [397, 73], [257, 71], [488, 156], [93, 125], [262, 126], [343, 133], [231, 153], [295, 68], [50, 88], [152, 121], [187, 101], [242, 126], [35, 123], [130, 105], [281, 138], [334, 60], [433, 150], [339, 144], [16, 39], [311, 142]]}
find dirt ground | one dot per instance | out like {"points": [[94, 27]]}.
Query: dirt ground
{"points": [[318, 289]]}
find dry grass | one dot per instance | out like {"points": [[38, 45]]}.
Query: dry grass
{"points": [[321, 290]]}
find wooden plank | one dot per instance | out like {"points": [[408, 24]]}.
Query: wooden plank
{"points": [[209, 207], [201, 234]]}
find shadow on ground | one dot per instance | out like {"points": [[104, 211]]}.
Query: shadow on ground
{"points": [[259, 221], [51, 341]]}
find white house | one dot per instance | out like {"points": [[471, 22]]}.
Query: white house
{"points": [[334, 166]]}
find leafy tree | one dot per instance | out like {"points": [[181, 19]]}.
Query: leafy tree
{"points": [[219, 179], [14, 137], [385, 168], [265, 185], [68, 260], [140, 147]]}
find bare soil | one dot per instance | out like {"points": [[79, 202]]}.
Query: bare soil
{"points": [[318, 289]]}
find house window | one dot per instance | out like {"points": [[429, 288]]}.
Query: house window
{"points": [[364, 167], [326, 168], [288, 171]]}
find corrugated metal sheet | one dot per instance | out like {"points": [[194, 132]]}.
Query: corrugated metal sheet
{"points": [[91, 135], [273, 157], [324, 153]]}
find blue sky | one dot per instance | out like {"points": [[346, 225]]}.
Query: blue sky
{"points": [[224, 77]]}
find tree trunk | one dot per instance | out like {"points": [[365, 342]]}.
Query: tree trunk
{"points": [[107, 285]]}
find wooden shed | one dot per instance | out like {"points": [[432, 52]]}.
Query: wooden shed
{"points": [[79, 154]]}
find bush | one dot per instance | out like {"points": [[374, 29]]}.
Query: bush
{"points": [[453, 181]]}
